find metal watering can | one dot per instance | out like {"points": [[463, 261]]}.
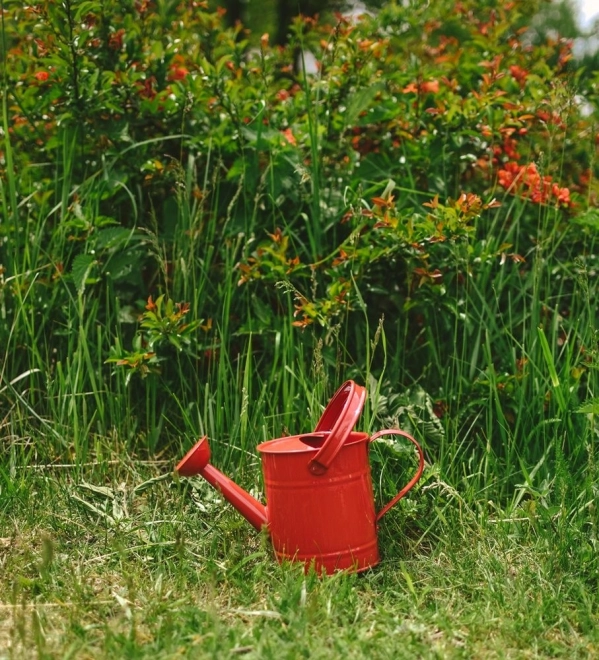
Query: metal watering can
{"points": [[320, 503]]}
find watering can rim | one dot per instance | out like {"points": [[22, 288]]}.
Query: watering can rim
{"points": [[300, 443]]}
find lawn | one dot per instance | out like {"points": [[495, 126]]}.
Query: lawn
{"points": [[112, 564]]}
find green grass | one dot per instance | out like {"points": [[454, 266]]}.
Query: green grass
{"points": [[98, 566]]}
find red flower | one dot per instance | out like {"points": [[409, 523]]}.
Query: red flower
{"points": [[508, 174], [429, 87], [526, 181], [519, 74], [42, 76], [289, 136], [562, 195], [178, 73]]}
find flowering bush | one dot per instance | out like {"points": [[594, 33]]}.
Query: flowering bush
{"points": [[526, 181], [367, 186]]}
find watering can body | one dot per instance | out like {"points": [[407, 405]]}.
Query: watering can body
{"points": [[320, 506]]}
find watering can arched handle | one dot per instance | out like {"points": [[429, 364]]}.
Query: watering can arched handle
{"points": [[413, 480], [338, 419]]}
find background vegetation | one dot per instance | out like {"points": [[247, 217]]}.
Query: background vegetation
{"points": [[199, 235]]}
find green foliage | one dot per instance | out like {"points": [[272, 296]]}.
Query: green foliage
{"points": [[162, 322]]}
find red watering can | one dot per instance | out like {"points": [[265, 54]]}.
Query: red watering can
{"points": [[320, 504]]}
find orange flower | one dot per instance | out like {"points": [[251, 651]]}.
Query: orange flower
{"points": [[178, 73], [526, 181], [562, 195], [412, 88], [508, 174], [289, 136], [518, 74], [425, 87], [429, 87], [42, 76]]}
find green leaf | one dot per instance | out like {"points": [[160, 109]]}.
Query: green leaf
{"points": [[591, 406], [590, 218], [555, 382], [113, 237], [150, 482], [88, 7], [360, 102], [103, 220], [82, 265], [122, 264]]}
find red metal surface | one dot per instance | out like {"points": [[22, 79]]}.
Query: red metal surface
{"points": [[339, 417], [327, 519], [318, 489], [249, 507], [195, 462]]}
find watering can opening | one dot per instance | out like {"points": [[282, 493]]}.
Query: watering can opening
{"points": [[306, 443], [195, 460], [313, 440]]}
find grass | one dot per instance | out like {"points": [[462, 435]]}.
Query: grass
{"points": [[109, 563]]}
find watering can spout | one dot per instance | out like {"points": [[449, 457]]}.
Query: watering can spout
{"points": [[196, 461]]}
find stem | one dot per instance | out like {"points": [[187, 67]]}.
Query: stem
{"points": [[75, 63]]}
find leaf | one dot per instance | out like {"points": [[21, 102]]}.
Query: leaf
{"points": [[589, 218], [113, 237], [589, 407], [102, 491], [237, 169], [122, 264], [104, 220], [360, 102], [88, 7], [94, 509], [150, 482], [82, 265]]}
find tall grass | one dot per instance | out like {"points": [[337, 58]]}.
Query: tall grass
{"points": [[508, 433]]}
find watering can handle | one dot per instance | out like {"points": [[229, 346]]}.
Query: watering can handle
{"points": [[413, 480], [338, 420]]}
